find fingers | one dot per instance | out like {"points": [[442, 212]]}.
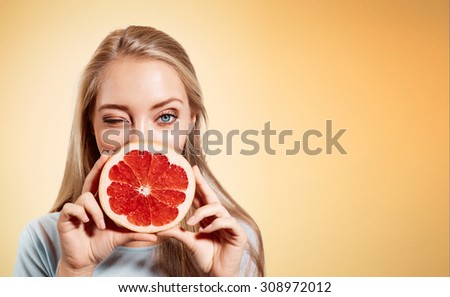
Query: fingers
{"points": [[208, 195], [235, 234], [88, 202], [209, 210], [86, 206], [223, 223], [197, 203], [184, 236], [220, 217], [70, 211], [91, 181]]}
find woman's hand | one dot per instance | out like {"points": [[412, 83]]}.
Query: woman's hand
{"points": [[85, 238], [219, 245]]}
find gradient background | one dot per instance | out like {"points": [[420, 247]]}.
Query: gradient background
{"points": [[376, 68]]}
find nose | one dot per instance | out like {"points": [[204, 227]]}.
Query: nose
{"points": [[146, 131], [139, 131]]}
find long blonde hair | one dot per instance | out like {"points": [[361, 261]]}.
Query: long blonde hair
{"points": [[147, 43]]}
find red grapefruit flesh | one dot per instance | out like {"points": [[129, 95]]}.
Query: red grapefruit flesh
{"points": [[146, 188]]}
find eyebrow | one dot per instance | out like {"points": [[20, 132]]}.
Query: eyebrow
{"points": [[165, 102], [126, 109], [113, 106]]}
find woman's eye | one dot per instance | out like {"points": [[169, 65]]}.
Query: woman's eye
{"points": [[114, 121], [167, 118]]}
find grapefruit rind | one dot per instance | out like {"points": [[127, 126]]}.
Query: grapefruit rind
{"points": [[173, 158]]}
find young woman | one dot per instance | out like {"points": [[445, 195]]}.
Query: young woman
{"points": [[139, 78]]}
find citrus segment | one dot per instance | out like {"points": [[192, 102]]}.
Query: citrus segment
{"points": [[145, 191]]}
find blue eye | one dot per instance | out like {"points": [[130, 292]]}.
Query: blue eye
{"points": [[167, 118]]}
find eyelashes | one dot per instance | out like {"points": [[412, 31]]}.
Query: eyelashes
{"points": [[165, 118], [113, 121]]}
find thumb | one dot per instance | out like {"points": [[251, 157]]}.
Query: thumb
{"points": [[91, 181]]}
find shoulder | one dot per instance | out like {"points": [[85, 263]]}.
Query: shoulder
{"points": [[44, 226], [38, 249], [249, 263], [252, 234]]}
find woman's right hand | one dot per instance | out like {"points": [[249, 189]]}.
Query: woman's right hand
{"points": [[84, 237]]}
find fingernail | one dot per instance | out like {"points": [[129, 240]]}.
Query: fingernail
{"points": [[191, 221], [85, 219], [102, 224]]}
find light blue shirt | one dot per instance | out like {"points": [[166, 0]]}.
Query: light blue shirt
{"points": [[39, 253]]}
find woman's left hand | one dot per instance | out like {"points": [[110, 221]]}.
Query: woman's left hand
{"points": [[219, 245]]}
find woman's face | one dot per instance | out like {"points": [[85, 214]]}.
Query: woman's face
{"points": [[140, 100]]}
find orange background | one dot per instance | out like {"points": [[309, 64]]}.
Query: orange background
{"points": [[376, 68]]}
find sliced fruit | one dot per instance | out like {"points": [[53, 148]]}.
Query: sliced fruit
{"points": [[146, 188]]}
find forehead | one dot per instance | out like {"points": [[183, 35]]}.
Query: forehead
{"points": [[129, 80]]}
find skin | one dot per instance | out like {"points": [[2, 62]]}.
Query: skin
{"points": [[146, 95]]}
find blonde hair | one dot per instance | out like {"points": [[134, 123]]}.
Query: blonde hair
{"points": [[147, 43]]}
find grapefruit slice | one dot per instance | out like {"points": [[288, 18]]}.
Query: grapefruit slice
{"points": [[145, 190]]}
